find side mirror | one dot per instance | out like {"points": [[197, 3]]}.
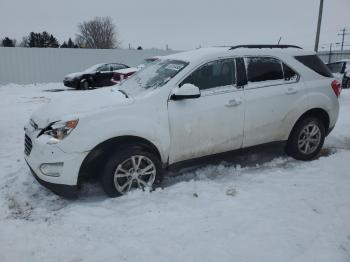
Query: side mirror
{"points": [[186, 91]]}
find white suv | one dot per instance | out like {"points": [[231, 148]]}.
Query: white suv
{"points": [[185, 106]]}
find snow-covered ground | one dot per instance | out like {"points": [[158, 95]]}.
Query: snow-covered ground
{"points": [[261, 207]]}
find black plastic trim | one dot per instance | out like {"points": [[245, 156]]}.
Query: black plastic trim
{"points": [[241, 72], [277, 146], [66, 191], [182, 97], [265, 46]]}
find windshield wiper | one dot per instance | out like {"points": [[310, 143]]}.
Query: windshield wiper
{"points": [[124, 93]]}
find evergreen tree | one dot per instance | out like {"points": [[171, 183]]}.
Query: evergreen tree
{"points": [[70, 43], [43, 39], [64, 45], [53, 43], [7, 42], [32, 40]]}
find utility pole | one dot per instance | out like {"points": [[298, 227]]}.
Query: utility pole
{"points": [[330, 50], [319, 25], [343, 33], [330, 53]]}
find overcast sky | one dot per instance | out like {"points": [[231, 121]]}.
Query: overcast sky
{"points": [[182, 24]]}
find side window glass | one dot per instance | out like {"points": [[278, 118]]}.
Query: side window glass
{"points": [[117, 67], [103, 68], [289, 74], [335, 67], [263, 69], [213, 74]]}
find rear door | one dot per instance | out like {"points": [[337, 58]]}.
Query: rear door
{"points": [[272, 90], [212, 123]]}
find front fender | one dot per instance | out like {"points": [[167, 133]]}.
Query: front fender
{"points": [[150, 123]]}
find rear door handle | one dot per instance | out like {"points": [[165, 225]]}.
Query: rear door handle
{"points": [[233, 102], [291, 90]]}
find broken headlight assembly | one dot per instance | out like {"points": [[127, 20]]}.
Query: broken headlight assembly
{"points": [[59, 130]]}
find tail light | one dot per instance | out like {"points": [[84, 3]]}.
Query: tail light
{"points": [[336, 87]]}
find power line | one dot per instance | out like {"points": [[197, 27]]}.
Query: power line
{"points": [[343, 33]]}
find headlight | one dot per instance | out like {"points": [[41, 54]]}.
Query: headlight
{"points": [[60, 130]]}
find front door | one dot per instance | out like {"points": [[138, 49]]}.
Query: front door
{"points": [[212, 123], [104, 76]]}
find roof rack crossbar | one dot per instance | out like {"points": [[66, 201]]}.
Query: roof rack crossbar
{"points": [[264, 46]]}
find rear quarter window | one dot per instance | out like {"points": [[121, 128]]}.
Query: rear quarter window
{"points": [[336, 67], [315, 64]]}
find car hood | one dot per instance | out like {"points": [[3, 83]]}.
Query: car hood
{"points": [[77, 103], [73, 75]]}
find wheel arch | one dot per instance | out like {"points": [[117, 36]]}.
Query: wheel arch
{"points": [[94, 161], [314, 112]]}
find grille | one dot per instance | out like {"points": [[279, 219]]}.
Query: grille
{"points": [[27, 145]]}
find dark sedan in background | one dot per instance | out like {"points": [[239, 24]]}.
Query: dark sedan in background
{"points": [[96, 76]]}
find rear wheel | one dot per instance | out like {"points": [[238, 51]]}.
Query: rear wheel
{"points": [[129, 168], [306, 140]]}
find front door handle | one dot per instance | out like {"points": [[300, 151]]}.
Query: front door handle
{"points": [[291, 90], [233, 102]]}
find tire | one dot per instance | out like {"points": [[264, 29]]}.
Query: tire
{"points": [[114, 177], [306, 139], [347, 83], [84, 84]]}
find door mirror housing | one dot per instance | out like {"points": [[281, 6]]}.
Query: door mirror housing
{"points": [[186, 91]]}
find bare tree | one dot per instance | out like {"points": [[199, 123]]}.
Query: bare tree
{"points": [[99, 33], [24, 42]]}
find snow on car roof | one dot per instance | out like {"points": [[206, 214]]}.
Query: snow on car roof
{"points": [[213, 52]]}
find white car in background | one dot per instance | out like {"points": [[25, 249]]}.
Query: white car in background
{"points": [[127, 72], [341, 70], [185, 106]]}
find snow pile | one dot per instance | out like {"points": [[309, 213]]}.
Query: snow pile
{"points": [[259, 207]]}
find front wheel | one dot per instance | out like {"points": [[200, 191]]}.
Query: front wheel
{"points": [[306, 140], [84, 84], [130, 168]]}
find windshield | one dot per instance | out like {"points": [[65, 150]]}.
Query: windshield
{"points": [[151, 77], [92, 68]]}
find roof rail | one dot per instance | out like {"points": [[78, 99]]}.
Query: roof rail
{"points": [[264, 46]]}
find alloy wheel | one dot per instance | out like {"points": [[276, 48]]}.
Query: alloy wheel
{"points": [[309, 138], [135, 172]]}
